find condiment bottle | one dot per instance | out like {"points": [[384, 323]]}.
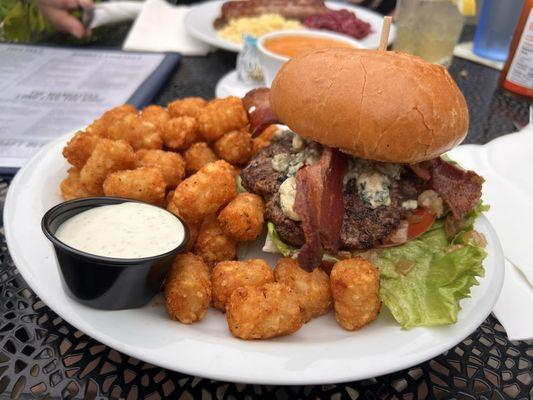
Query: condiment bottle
{"points": [[517, 74]]}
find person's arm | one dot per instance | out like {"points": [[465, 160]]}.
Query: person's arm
{"points": [[57, 12]]}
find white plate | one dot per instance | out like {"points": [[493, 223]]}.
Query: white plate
{"points": [[199, 23], [231, 85], [321, 352]]}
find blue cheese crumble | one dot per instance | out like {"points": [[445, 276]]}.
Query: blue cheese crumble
{"points": [[373, 188], [287, 196], [302, 153], [373, 180], [280, 162], [410, 205]]}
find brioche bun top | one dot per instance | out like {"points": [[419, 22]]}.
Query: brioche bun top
{"points": [[378, 105]]}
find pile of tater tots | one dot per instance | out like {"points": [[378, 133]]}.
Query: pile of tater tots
{"points": [[187, 158]]}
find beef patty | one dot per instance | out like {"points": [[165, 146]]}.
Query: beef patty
{"points": [[259, 177], [362, 227], [365, 228], [289, 231]]}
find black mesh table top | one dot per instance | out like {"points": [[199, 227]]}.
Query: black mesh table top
{"points": [[42, 356]]}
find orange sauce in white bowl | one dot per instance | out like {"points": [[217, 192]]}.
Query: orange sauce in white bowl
{"points": [[290, 46]]}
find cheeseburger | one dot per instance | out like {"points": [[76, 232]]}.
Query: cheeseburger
{"points": [[359, 165]]}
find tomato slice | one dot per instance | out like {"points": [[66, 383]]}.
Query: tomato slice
{"points": [[418, 223], [421, 222]]}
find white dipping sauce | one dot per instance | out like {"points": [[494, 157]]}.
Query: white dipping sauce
{"points": [[126, 230]]}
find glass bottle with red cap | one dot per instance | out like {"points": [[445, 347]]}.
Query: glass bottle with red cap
{"points": [[517, 74]]}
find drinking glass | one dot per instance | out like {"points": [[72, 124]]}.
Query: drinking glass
{"points": [[428, 28], [495, 28]]}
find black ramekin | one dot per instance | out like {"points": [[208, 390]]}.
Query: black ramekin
{"points": [[103, 282]]}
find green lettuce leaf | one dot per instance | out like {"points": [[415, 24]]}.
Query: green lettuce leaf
{"points": [[467, 224], [240, 188], [285, 249], [422, 281]]}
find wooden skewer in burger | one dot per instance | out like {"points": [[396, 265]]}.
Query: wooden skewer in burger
{"points": [[359, 166], [385, 30]]}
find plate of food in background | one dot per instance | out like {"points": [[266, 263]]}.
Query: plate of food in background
{"points": [[224, 23], [304, 264]]}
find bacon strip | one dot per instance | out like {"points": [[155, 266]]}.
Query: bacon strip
{"points": [[422, 170], [332, 210], [305, 205], [460, 189], [319, 203], [257, 104]]}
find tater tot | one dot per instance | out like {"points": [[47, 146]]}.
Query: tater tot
{"points": [[206, 191], [230, 275], [169, 163], [312, 288], [355, 288], [108, 156], [194, 231], [235, 147], [231, 169], [179, 133], [187, 289], [212, 245], [187, 107], [99, 127], [78, 150], [144, 184], [140, 134], [168, 198], [221, 116], [157, 115], [71, 187], [198, 155], [262, 312], [242, 219], [194, 226]]}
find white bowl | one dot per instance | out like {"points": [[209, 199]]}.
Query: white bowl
{"points": [[272, 62]]}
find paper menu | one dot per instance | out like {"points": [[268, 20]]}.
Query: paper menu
{"points": [[46, 92]]}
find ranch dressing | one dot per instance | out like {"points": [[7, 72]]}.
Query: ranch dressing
{"points": [[126, 230]]}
